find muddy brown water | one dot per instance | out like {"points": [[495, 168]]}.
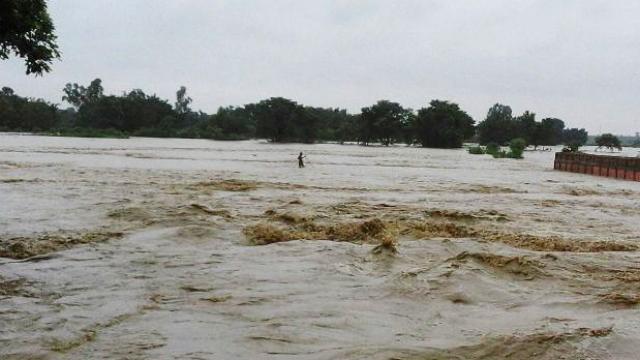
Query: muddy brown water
{"points": [[142, 249]]}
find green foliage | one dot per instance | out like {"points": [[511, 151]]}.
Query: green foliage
{"points": [[492, 148], [526, 127], [498, 126], [575, 136], [166, 127], [133, 112], [78, 95], [476, 150], [7, 91], [333, 124], [147, 115], [629, 140], [499, 154], [443, 125], [347, 130], [608, 141], [139, 110], [182, 101], [24, 114], [103, 113], [89, 133], [26, 30], [383, 122], [571, 148], [551, 130], [74, 94], [230, 123], [517, 147], [282, 120]]}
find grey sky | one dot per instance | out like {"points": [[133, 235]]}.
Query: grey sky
{"points": [[578, 60]]}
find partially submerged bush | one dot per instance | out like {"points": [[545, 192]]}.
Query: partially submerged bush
{"points": [[573, 147], [492, 148], [499, 154], [517, 147]]}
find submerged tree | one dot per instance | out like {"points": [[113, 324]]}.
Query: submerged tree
{"points": [[608, 141], [443, 125], [26, 30]]}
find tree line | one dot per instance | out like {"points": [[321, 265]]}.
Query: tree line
{"points": [[440, 124], [500, 126]]}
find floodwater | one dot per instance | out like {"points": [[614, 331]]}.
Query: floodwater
{"points": [[171, 249]]}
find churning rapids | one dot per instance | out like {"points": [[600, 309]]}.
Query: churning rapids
{"points": [[192, 249]]}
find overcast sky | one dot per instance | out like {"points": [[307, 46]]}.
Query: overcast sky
{"points": [[578, 60]]}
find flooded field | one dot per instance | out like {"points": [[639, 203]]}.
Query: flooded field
{"points": [[193, 249]]}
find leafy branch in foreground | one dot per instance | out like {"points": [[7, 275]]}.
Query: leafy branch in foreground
{"points": [[26, 30]]}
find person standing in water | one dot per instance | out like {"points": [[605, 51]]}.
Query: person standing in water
{"points": [[300, 161]]}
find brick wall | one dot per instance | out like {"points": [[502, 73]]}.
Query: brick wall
{"points": [[619, 167]]}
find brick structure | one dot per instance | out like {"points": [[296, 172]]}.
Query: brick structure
{"points": [[627, 168]]}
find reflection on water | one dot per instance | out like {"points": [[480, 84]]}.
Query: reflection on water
{"points": [[137, 248]]}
